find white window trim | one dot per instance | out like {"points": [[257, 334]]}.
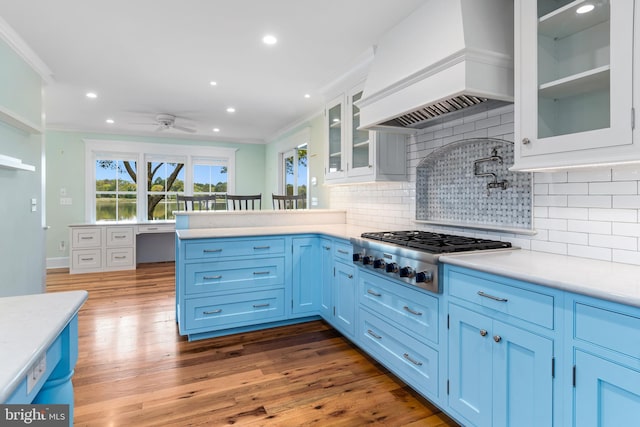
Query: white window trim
{"points": [[292, 142], [142, 152]]}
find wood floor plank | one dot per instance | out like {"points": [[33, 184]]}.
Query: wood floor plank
{"points": [[134, 369]]}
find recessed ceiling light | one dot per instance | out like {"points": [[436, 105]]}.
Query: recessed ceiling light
{"points": [[269, 39], [216, 129], [231, 110], [92, 95], [585, 8], [110, 121], [212, 83], [306, 95]]}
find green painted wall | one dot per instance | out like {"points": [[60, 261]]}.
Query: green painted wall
{"points": [[315, 160], [65, 153], [22, 261]]}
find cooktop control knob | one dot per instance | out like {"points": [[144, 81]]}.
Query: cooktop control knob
{"points": [[357, 257], [424, 277], [391, 267], [366, 260], [407, 272], [379, 263]]}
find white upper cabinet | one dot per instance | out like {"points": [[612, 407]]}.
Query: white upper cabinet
{"points": [[574, 80], [355, 155]]}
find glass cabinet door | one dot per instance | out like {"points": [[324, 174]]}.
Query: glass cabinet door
{"points": [[575, 75], [335, 131], [360, 146]]}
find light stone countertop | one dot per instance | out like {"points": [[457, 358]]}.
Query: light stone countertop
{"points": [[343, 231], [601, 279], [30, 324]]}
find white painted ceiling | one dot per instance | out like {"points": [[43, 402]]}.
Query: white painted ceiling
{"points": [[145, 57]]}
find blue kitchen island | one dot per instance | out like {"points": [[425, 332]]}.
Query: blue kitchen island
{"points": [[39, 347]]}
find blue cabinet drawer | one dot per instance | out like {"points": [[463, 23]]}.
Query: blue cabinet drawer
{"points": [[225, 311], [221, 248], [413, 361], [604, 327], [217, 276], [530, 306], [411, 309], [343, 251]]}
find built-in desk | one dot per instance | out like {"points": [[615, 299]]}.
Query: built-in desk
{"points": [[119, 245], [39, 342]]}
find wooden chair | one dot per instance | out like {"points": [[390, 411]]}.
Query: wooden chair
{"points": [[205, 202], [297, 201], [246, 203]]}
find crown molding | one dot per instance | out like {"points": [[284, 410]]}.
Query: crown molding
{"points": [[19, 46]]}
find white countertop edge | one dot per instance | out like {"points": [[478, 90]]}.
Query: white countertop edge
{"points": [[14, 375], [341, 231], [600, 279]]}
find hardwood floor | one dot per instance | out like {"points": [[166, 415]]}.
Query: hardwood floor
{"points": [[134, 369]]}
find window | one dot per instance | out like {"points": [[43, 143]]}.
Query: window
{"points": [[295, 172], [115, 190], [115, 193]]}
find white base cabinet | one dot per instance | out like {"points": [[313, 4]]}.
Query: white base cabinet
{"points": [[96, 248]]}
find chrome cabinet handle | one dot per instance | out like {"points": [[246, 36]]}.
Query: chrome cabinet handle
{"points": [[261, 305], [86, 238], [86, 259], [152, 228], [417, 313], [257, 273], [120, 257], [213, 312], [211, 277], [326, 248], [261, 247], [375, 294], [373, 334], [483, 332], [341, 251], [349, 276], [410, 359], [526, 141], [209, 251], [482, 294], [497, 338], [121, 236]]}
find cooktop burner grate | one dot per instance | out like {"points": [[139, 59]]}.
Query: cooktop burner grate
{"points": [[435, 242]]}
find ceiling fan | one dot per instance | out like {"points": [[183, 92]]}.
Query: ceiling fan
{"points": [[167, 121]]}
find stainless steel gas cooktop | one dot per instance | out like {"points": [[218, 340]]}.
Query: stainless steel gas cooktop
{"points": [[412, 256]]}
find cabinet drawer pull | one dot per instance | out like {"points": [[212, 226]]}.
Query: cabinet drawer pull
{"points": [[258, 273], [87, 238], [417, 313], [209, 251], [261, 305], [120, 236], [374, 293], [482, 294], [497, 338], [120, 257], [86, 259], [152, 228], [342, 251], [349, 276], [483, 332], [412, 360], [326, 248], [213, 311], [211, 277], [373, 334], [261, 247]]}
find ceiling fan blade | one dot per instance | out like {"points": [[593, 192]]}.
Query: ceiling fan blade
{"points": [[141, 123], [184, 129]]}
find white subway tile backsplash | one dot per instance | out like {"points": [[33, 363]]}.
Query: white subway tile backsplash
{"points": [[616, 187], [614, 242], [600, 205]]}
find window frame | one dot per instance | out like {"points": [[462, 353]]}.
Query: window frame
{"points": [[144, 152], [291, 145]]}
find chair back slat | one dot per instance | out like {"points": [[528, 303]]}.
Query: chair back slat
{"points": [[297, 201], [245, 202], [204, 202]]}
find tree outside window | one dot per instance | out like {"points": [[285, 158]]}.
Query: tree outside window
{"points": [[116, 190]]}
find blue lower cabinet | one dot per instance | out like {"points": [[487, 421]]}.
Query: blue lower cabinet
{"points": [[607, 394], [500, 375], [413, 361], [344, 299], [306, 276]]}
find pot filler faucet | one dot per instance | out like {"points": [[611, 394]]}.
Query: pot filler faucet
{"points": [[495, 183]]}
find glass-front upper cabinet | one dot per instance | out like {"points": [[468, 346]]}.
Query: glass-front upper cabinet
{"points": [[334, 123], [574, 101], [361, 151]]}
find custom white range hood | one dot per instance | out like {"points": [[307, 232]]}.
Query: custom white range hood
{"points": [[447, 57]]}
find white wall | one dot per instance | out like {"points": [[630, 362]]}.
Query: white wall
{"points": [[585, 213]]}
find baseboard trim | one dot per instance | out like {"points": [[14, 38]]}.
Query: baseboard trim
{"points": [[59, 262]]}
